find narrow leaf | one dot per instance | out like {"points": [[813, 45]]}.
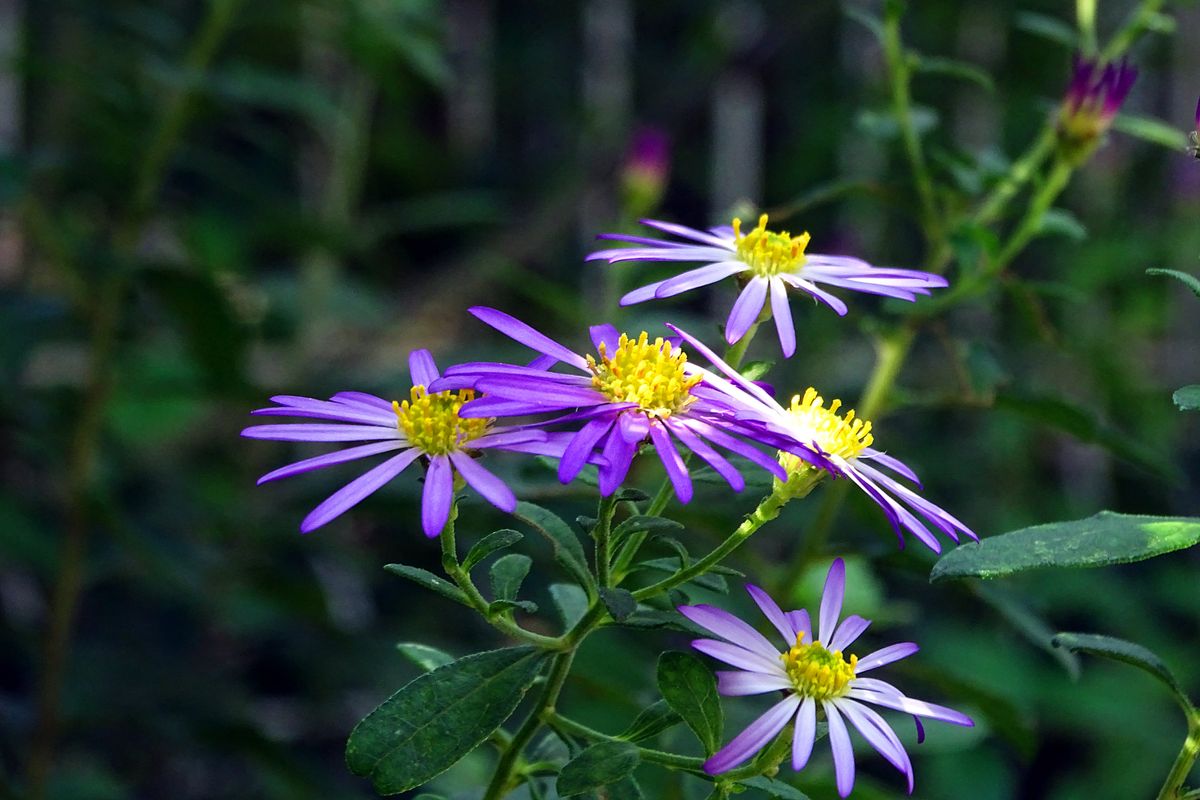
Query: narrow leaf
{"points": [[648, 524], [631, 495], [1097, 541], [429, 581], [427, 726], [567, 549], [601, 764], [619, 602], [709, 580], [690, 688], [426, 657], [1190, 281], [507, 575], [653, 720], [497, 540], [1127, 652], [1187, 398], [953, 68], [1047, 27], [500, 606], [775, 788], [1151, 130]]}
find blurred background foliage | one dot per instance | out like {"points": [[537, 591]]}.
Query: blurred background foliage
{"points": [[202, 204]]}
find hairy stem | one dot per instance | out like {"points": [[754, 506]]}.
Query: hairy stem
{"points": [[601, 534], [1172, 788]]}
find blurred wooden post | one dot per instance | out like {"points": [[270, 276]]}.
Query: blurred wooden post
{"points": [[11, 121], [738, 110], [470, 97]]}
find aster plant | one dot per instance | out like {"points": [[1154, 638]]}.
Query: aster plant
{"points": [[634, 422]]}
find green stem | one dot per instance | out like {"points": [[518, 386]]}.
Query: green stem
{"points": [[1137, 23], [900, 80], [1031, 222], [570, 726], [501, 622], [601, 534], [1021, 173], [1173, 786]]}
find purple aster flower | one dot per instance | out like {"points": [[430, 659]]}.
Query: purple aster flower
{"points": [[840, 439], [1094, 96], [815, 678], [632, 391], [768, 264], [426, 425]]}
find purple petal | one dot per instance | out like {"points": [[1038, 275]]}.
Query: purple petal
{"points": [[851, 628], [543, 394], [676, 469], [479, 478], [783, 318], [729, 627], [331, 411], [689, 233], [641, 294], [422, 367], [805, 735], [607, 335], [878, 734], [831, 599], [329, 459], [773, 613], [917, 708], [801, 622], [743, 684], [754, 738], [515, 329], [732, 374], [504, 437], [437, 496], [739, 657], [719, 437], [745, 310], [711, 457], [843, 751], [886, 655], [619, 454], [320, 433], [892, 463], [576, 453], [810, 287], [362, 399], [695, 278], [353, 492]]}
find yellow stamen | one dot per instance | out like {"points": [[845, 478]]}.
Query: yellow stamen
{"points": [[650, 374], [838, 435], [769, 253], [816, 672], [431, 422]]}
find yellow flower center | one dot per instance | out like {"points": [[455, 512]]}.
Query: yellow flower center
{"points": [[838, 435], [816, 672], [650, 374], [431, 422], [769, 253]]}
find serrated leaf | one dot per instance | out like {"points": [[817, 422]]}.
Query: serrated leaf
{"points": [[619, 602], [1047, 27], [775, 788], [641, 523], [497, 540], [1187, 398], [430, 581], [426, 657], [567, 549], [1029, 625], [1101, 540], [428, 725], [1127, 652], [653, 720], [571, 600], [1187, 280], [601, 764], [690, 688], [1151, 130], [507, 575], [953, 68]]}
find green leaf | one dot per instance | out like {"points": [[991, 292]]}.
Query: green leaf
{"points": [[426, 657], [1049, 28], [1187, 280], [868, 21], [429, 581], [1151, 130], [1098, 541], [1187, 398], [653, 618], [619, 602], [653, 720], [497, 540], [572, 602], [953, 68], [690, 688], [756, 370], [567, 549], [1060, 222], [775, 788], [631, 495], [500, 606], [589, 475], [507, 575], [1029, 625], [1126, 652], [648, 524], [882, 124], [427, 726], [710, 580], [601, 764]]}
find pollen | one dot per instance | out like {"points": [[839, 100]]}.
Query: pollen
{"points": [[769, 253], [650, 374], [817, 672], [837, 434], [431, 422]]}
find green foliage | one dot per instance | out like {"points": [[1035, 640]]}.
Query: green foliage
{"points": [[571, 601], [689, 687], [567, 549], [1126, 652], [508, 573], [425, 727], [1101, 540], [1151, 130], [426, 657], [1187, 280], [600, 765], [424, 577], [496, 540], [1187, 398], [653, 720], [774, 788], [619, 602]]}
